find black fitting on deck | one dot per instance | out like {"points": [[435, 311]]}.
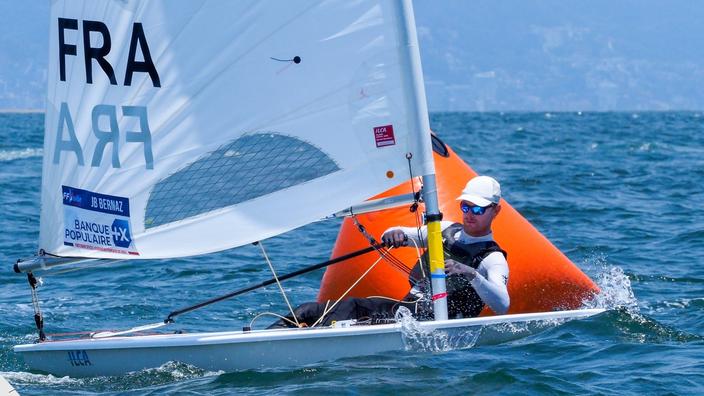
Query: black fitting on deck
{"points": [[38, 318]]}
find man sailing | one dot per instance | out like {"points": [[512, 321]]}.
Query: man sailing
{"points": [[475, 264]]}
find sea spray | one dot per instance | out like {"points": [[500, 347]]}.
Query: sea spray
{"points": [[616, 291], [626, 317], [418, 339]]}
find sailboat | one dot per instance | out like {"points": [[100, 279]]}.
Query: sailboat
{"points": [[181, 128]]}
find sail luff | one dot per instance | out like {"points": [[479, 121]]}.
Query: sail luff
{"points": [[422, 133]]}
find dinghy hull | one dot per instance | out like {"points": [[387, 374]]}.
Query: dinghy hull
{"points": [[268, 349]]}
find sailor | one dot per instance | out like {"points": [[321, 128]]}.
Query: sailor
{"points": [[475, 264]]}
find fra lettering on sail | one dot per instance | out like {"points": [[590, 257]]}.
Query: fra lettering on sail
{"points": [[103, 114]]}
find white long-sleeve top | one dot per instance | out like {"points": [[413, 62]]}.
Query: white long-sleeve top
{"points": [[492, 273]]}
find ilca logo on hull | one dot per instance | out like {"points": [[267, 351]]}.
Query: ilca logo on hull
{"points": [[79, 358]]}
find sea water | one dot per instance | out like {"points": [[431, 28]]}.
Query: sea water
{"points": [[619, 193]]}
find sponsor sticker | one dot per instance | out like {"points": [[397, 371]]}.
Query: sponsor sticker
{"points": [[97, 221], [384, 136]]}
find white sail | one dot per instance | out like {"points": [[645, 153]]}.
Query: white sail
{"points": [[177, 128]]}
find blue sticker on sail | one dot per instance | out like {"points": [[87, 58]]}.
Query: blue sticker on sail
{"points": [[88, 200], [121, 233], [97, 221]]}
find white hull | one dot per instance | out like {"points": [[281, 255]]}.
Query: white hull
{"points": [[6, 389], [236, 350]]}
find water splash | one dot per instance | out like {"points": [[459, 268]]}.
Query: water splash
{"points": [[418, 339], [169, 372], [524, 329], [616, 291], [625, 316]]}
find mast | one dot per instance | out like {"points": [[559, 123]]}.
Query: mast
{"points": [[422, 134]]}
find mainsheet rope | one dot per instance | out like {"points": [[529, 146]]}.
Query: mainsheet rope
{"points": [[390, 258], [383, 254]]}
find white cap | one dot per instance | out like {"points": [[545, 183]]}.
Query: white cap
{"points": [[482, 191]]}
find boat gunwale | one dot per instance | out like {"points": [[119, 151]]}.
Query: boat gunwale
{"points": [[236, 337]]}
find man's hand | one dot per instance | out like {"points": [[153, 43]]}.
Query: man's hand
{"points": [[453, 267], [394, 238]]}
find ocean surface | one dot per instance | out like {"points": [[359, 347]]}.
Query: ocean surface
{"points": [[619, 193]]}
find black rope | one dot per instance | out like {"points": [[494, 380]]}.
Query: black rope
{"points": [[43, 252], [385, 254], [416, 196], [170, 318], [394, 261]]}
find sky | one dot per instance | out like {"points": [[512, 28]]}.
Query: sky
{"points": [[486, 55]]}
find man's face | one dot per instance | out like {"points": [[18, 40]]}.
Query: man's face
{"points": [[478, 224]]}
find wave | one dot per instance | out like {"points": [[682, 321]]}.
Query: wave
{"points": [[680, 303], [624, 316], [168, 374], [11, 155], [20, 378], [642, 329]]}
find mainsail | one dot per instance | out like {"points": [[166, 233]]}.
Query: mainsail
{"points": [[177, 128]]}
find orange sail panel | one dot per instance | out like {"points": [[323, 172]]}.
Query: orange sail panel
{"points": [[541, 277]]}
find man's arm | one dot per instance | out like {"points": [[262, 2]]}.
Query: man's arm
{"points": [[492, 288]]}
